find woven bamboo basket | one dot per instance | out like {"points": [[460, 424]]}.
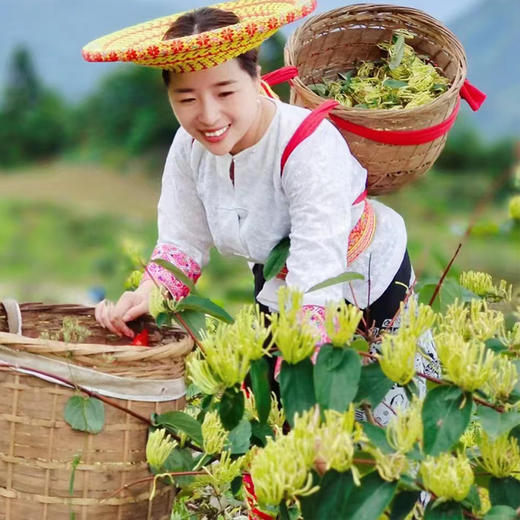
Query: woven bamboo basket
{"points": [[339, 40], [37, 446]]}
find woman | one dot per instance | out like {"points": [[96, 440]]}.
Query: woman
{"points": [[224, 185]]}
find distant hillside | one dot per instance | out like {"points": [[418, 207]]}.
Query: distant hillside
{"points": [[491, 37]]}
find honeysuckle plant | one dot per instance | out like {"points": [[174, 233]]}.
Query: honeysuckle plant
{"points": [[452, 452]]}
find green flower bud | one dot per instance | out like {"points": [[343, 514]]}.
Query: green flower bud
{"points": [[447, 476], [398, 356], [158, 448], [502, 380], [133, 280], [341, 322], [500, 457], [295, 338], [199, 372], [222, 472], [405, 429], [213, 433], [390, 466], [514, 207], [157, 302], [468, 364]]}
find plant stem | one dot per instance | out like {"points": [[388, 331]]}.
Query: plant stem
{"points": [[189, 331]]}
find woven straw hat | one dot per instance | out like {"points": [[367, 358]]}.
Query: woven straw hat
{"points": [[144, 44]]}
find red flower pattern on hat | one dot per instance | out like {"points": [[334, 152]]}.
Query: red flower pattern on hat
{"points": [[153, 51], [203, 40], [290, 17], [227, 34], [251, 28], [177, 46], [131, 55], [272, 23]]}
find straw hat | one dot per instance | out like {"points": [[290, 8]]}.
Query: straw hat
{"points": [[144, 44]]}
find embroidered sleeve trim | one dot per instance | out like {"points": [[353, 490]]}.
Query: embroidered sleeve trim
{"points": [[175, 256]]}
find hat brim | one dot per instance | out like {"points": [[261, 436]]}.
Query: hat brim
{"points": [[144, 43]]}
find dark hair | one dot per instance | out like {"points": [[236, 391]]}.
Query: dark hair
{"points": [[206, 19]]}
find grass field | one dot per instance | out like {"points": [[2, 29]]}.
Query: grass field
{"points": [[63, 226]]}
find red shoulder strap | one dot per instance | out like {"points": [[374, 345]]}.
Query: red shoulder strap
{"points": [[306, 128]]}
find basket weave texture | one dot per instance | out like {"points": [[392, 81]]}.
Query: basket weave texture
{"points": [[37, 446], [340, 40]]}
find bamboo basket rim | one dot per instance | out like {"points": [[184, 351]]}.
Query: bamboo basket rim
{"points": [[353, 11]]}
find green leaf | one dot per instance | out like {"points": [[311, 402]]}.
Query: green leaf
{"points": [[180, 459], [277, 258], [373, 385], [259, 374], [501, 513], [496, 423], [283, 511], [403, 504], [336, 377], [85, 414], [179, 421], [162, 319], [231, 408], [504, 492], [495, 345], [236, 485], [260, 432], [331, 500], [377, 437], [398, 52], [342, 278], [472, 500], [296, 388], [425, 295], [239, 437], [178, 273], [319, 88], [195, 321], [444, 511], [394, 83], [451, 291], [371, 498], [446, 414], [196, 303]]}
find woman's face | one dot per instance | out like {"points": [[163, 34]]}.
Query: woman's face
{"points": [[219, 106]]}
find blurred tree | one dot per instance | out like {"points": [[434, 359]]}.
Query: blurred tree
{"points": [[34, 121]]}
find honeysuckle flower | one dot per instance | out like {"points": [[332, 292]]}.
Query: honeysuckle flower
{"points": [[468, 364], [251, 331], [213, 433], [483, 322], [390, 466], [397, 359], [501, 457], [417, 318], [157, 302], [294, 337], [341, 322], [222, 472], [133, 280], [276, 417], [228, 358], [482, 285], [335, 440], [485, 502], [454, 319], [200, 373], [158, 448], [281, 469], [447, 476], [250, 405], [406, 427], [502, 380], [511, 338], [514, 207], [471, 437]]}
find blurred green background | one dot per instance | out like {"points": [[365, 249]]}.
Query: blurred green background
{"points": [[80, 180]]}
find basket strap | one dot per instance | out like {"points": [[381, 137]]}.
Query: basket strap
{"points": [[471, 94], [14, 316]]}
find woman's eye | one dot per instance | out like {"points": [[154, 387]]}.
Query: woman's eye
{"points": [[225, 94], [187, 100]]}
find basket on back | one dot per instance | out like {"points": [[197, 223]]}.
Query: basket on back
{"points": [[49, 471], [340, 40]]}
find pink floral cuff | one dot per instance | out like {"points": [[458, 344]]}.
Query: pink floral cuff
{"points": [[166, 278]]}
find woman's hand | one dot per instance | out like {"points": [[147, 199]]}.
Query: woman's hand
{"points": [[130, 306]]}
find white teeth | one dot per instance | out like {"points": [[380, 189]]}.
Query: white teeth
{"points": [[216, 133]]}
